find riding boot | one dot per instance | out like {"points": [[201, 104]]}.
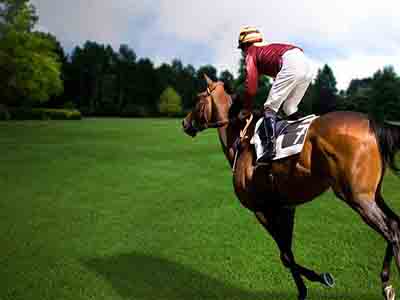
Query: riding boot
{"points": [[270, 137]]}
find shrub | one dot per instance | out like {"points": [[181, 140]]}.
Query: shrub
{"points": [[69, 105], [4, 113], [170, 102], [45, 114]]}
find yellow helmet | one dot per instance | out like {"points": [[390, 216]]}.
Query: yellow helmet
{"points": [[249, 34]]}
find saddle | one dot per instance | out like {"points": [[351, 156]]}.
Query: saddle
{"points": [[290, 136]]}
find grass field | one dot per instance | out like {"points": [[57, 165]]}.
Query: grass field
{"points": [[133, 209]]}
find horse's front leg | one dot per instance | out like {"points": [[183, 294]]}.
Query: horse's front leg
{"points": [[279, 223]]}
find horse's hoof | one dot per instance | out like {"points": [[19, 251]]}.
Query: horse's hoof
{"points": [[328, 280], [389, 293]]}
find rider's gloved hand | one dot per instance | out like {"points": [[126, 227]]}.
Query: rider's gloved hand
{"points": [[244, 114]]}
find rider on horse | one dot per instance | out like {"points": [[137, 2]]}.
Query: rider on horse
{"points": [[292, 73]]}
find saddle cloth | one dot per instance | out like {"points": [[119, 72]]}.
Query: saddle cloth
{"points": [[290, 136]]}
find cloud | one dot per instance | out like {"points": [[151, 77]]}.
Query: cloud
{"points": [[108, 22], [354, 37]]}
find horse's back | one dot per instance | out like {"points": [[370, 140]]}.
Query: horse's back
{"points": [[342, 123]]}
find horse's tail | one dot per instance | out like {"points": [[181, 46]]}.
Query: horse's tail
{"points": [[388, 137]]}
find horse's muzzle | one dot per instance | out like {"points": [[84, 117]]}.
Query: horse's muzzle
{"points": [[188, 128]]}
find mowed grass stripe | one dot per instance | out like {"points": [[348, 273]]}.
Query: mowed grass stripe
{"points": [[134, 209]]}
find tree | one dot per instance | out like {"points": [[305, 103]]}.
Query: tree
{"points": [[384, 95], [228, 79], [170, 102], [144, 82], [210, 71], [125, 69], [93, 70], [356, 98], [325, 91], [188, 86], [306, 104], [29, 66], [57, 100]]}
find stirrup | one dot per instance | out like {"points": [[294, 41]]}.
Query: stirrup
{"points": [[268, 155]]}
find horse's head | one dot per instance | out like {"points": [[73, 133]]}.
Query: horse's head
{"points": [[211, 109]]}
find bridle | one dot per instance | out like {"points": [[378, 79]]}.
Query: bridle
{"points": [[204, 103], [220, 123]]}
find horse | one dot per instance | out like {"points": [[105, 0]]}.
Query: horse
{"points": [[345, 151]]}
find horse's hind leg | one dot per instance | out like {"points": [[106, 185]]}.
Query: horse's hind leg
{"points": [[388, 290], [385, 222]]}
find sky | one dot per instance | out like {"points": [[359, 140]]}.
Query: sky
{"points": [[354, 37]]}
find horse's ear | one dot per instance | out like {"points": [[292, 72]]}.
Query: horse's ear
{"points": [[209, 81]]}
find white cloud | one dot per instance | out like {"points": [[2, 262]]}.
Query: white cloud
{"points": [[357, 37], [361, 66], [76, 21], [354, 37]]}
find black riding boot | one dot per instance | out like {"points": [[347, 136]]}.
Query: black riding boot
{"points": [[269, 140]]}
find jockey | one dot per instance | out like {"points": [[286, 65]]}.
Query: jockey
{"points": [[292, 73]]}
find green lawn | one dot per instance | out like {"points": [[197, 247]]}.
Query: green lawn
{"points": [[134, 209]]}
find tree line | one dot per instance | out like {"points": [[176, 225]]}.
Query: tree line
{"points": [[101, 81]]}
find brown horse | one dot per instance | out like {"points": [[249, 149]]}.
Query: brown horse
{"points": [[345, 151]]}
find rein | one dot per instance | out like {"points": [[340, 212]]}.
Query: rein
{"points": [[224, 122], [241, 138], [220, 123]]}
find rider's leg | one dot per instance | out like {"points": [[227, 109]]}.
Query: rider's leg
{"points": [[295, 68], [291, 82], [269, 139], [290, 105]]}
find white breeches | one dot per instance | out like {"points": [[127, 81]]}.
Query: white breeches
{"points": [[291, 82]]}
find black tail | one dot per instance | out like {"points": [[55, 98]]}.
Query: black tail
{"points": [[388, 136]]}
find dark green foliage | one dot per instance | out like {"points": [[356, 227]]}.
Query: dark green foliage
{"points": [[4, 113], [384, 95], [109, 83], [34, 69], [25, 113], [29, 65], [357, 96], [378, 96], [228, 79], [325, 91]]}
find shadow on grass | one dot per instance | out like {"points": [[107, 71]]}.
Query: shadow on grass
{"points": [[141, 277]]}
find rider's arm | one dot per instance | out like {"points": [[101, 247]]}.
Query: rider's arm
{"points": [[251, 81]]}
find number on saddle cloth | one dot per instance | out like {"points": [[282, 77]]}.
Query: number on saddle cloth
{"points": [[290, 136]]}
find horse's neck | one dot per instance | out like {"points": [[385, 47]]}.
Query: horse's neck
{"points": [[227, 137], [226, 145]]}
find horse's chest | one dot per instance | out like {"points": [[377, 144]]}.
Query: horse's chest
{"points": [[253, 187]]}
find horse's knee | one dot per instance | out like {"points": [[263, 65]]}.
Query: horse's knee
{"points": [[287, 261], [394, 232]]}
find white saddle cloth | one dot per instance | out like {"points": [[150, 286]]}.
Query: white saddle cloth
{"points": [[290, 140]]}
